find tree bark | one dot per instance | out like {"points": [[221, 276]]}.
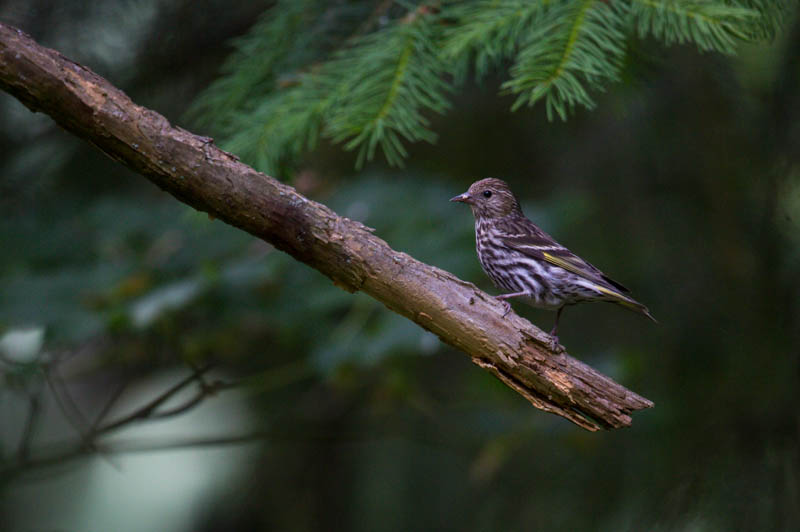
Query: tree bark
{"points": [[196, 172]]}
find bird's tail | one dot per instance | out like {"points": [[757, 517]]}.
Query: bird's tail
{"points": [[626, 301], [636, 307]]}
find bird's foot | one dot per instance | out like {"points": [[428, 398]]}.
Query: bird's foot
{"points": [[554, 343], [506, 305], [554, 346]]}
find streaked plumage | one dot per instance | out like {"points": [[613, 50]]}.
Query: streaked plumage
{"points": [[526, 262]]}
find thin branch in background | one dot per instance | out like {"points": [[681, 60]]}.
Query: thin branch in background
{"points": [[64, 402], [62, 457], [198, 372], [69, 408], [206, 390], [148, 409], [89, 443], [34, 411], [109, 405], [185, 443], [66, 396]]}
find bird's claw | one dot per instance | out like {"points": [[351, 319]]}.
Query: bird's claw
{"points": [[506, 306], [554, 345]]}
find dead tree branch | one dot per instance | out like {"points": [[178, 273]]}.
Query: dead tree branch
{"points": [[199, 174]]}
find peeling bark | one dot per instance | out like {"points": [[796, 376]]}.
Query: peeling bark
{"points": [[196, 172]]}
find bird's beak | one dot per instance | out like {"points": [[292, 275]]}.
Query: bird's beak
{"points": [[464, 198]]}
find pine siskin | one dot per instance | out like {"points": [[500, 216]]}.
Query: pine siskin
{"points": [[525, 261]]}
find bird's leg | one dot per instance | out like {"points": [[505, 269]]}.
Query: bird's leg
{"points": [[554, 330], [506, 305]]}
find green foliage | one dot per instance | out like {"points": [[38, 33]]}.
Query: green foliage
{"points": [[283, 125], [711, 26], [372, 92], [488, 32], [772, 13], [573, 46], [391, 77], [287, 37], [297, 77]]}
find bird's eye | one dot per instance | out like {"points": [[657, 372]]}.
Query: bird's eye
{"points": [[487, 193]]}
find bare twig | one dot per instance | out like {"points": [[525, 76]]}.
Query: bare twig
{"points": [[149, 409], [109, 404], [206, 390], [149, 446], [64, 401], [61, 454], [90, 439], [34, 409]]}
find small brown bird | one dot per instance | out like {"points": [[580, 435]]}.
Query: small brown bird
{"points": [[528, 263]]}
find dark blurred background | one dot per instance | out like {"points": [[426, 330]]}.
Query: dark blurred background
{"points": [[683, 185]]}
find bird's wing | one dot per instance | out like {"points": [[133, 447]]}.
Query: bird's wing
{"points": [[541, 246]]}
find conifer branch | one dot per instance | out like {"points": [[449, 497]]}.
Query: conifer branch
{"points": [[199, 174], [710, 25], [375, 88], [393, 76], [575, 46], [771, 14], [277, 41], [486, 32]]}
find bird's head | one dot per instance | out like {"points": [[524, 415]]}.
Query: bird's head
{"points": [[489, 198]]}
